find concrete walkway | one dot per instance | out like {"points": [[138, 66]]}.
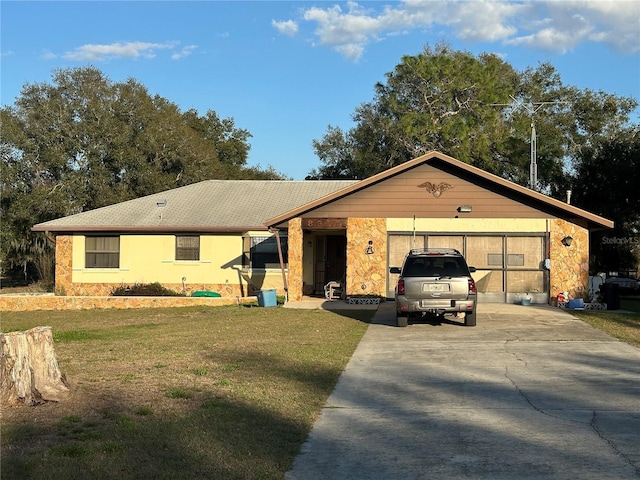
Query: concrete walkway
{"points": [[323, 304], [530, 393]]}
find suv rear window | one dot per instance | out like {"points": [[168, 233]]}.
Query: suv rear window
{"points": [[438, 266]]}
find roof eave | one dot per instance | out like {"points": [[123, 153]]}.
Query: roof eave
{"points": [[155, 229]]}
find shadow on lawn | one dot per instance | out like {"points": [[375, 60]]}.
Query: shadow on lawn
{"points": [[108, 430], [211, 435]]}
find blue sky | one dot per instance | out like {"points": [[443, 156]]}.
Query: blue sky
{"points": [[285, 70]]}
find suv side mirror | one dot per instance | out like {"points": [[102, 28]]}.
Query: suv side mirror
{"points": [[394, 270], [472, 269]]}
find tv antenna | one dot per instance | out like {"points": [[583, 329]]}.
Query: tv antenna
{"points": [[531, 108]]}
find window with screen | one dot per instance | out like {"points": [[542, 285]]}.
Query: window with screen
{"points": [[102, 252], [262, 251], [187, 247]]}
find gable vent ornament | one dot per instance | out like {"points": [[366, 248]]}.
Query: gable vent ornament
{"points": [[435, 190]]}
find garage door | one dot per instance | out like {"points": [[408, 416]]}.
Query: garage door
{"points": [[508, 266], [399, 246]]}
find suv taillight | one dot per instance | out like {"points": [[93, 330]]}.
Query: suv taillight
{"points": [[472, 286], [400, 287]]}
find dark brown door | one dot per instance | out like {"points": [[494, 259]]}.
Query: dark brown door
{"points": [[335, 257]]}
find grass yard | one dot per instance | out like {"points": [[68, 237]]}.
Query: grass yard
{"points": [[186, 393], [623, 326]]}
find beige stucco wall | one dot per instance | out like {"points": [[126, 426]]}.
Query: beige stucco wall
{"points": [[477, 225], [150, 259]]}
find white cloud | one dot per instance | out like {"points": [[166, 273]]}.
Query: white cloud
{"points": [[287, 27], [550, 24], [560, 26], [102, 52], [185, 52]]}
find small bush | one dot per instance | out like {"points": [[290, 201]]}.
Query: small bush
{"points": [[144, 290]]}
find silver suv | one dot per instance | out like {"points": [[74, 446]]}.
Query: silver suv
{"points": [[435, 281]]}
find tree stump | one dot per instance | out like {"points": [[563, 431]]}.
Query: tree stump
{"points": [[29, 371]]}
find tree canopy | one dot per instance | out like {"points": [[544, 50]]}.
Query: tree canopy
{"points": [[478, 109], [83, 142], [606, 182]]}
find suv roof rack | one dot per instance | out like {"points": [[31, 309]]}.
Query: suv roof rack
{"points": [[435, 251]]}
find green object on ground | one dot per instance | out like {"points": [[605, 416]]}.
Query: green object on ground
{"points": [[205, 293]]}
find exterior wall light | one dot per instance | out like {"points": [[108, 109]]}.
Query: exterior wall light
{"points": [[566, 241], [464, 209], [369, 250]]}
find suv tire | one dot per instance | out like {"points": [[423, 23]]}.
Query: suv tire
{"points": [[470, 319]]}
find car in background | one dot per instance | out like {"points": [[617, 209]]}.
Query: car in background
{"points": [[627, 286], [435, 281]]}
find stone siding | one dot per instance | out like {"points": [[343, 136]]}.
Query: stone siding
{"points": [[366, 262], [64, 264], [295, 243], [105, 289], [29, 303], [569, 265]]}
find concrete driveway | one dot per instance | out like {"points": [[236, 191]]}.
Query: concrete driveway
{"points": [[530, 392]]}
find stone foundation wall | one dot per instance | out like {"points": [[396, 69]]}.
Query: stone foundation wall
{"points": [[366, 262], [105, 289], [569, 265], [29, 303]]}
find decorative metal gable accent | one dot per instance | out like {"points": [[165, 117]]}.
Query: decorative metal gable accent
{"points": [[435, 190]]}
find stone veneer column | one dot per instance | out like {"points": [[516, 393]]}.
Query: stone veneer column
{"points": [[295, 260], [64, 264], [569, 265], [366, 267]]}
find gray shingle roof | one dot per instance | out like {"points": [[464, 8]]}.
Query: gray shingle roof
{"points": [[212, 205]]}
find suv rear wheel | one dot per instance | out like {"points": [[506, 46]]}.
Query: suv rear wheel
{"points": [[470, 319]]}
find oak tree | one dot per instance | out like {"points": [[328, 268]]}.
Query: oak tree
{"points": [[83, 142]]}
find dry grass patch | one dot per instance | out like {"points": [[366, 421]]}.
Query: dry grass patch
{"points": [[227, 392]]}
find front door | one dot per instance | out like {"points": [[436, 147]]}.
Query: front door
{"points": [[330, 264], [336, 253]]}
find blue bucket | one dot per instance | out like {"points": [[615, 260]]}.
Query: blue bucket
{"points": [[576, 304], [267, 298]]}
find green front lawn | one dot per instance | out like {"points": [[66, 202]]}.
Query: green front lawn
{"points": [[189, 393]]}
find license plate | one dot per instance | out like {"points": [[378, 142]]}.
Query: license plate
{"points": [[439, 287]]}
